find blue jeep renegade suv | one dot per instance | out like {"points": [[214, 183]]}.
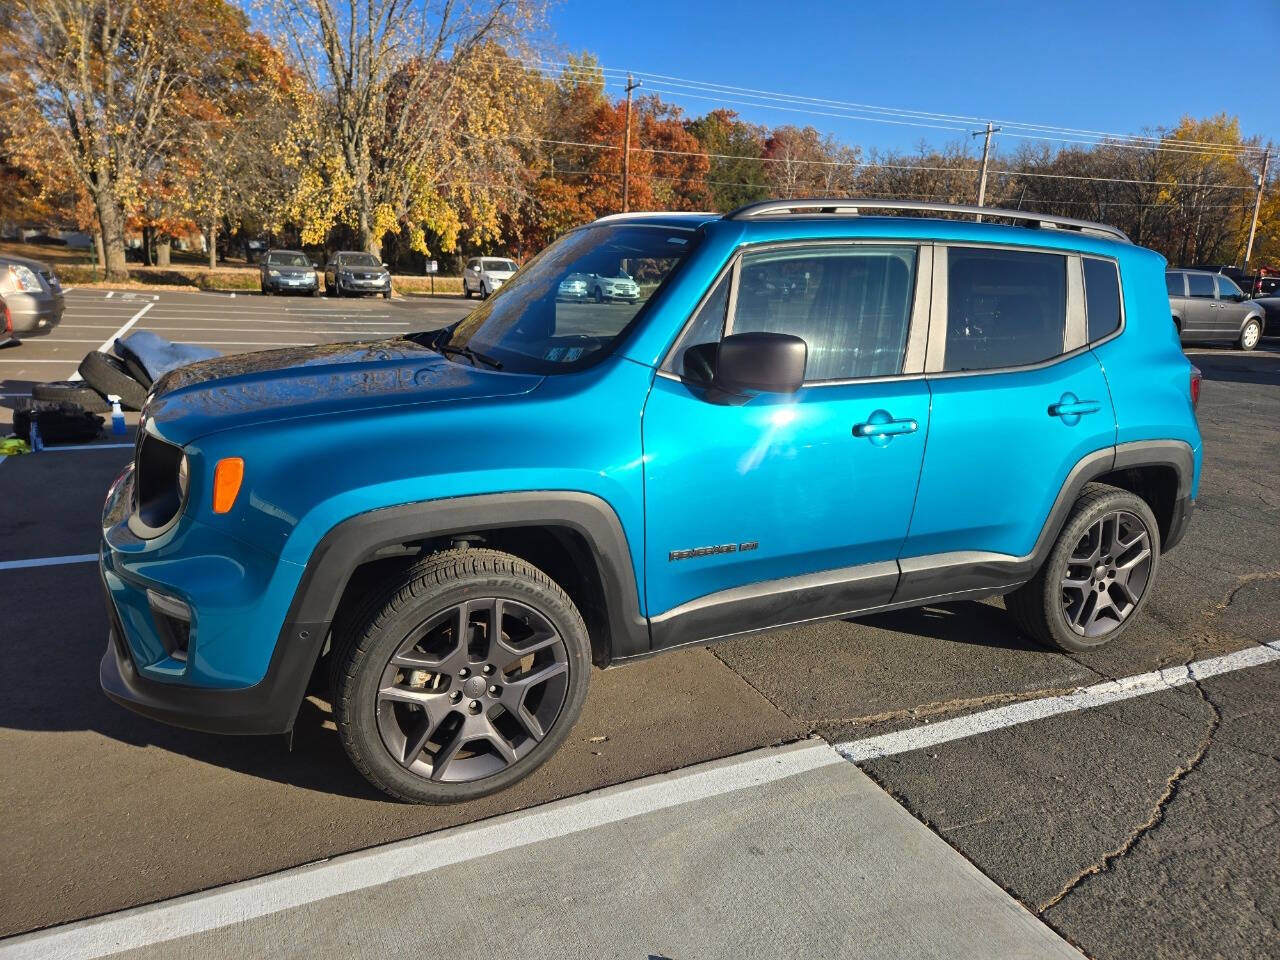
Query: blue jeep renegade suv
{"points": [[809, 412]]}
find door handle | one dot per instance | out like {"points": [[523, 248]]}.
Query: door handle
{"points": [[881, 427], [1071, 408]]}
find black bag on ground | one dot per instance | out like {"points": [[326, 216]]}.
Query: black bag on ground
{"points": [[71, 391], [109, 376], [59, 422]]}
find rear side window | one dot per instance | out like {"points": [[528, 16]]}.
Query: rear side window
{"points": [[1175, 284], [1101, 297], [850, 304], [1200, 285], [1005, 308], [1227, 288]]}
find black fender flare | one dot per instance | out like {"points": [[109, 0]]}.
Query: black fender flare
{"points": [[359, 538]]}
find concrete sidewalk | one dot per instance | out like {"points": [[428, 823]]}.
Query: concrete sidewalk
{"points": [[780, 852]]}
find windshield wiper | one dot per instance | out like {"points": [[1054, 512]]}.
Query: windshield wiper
{"points": [[449, 349]]}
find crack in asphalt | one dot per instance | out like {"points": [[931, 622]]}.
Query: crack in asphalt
{"points": [[947, 706], [1158, 812], [1247, 580]]}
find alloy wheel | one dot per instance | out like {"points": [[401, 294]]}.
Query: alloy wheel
{"points": [[472, 689], [1252, 334], [1107, 574]]}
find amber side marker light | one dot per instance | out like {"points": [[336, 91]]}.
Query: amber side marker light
{"points": [[227, 477]]}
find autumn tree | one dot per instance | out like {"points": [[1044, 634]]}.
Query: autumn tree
{"points": [[407, 107], [735, 170], [109, 81]]}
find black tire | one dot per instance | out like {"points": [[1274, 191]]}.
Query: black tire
{"points": [[336, 290], [466, 290], [1044, 606], [1251, 335], [599, 295], [386, 295], [366, 641], [109, 376], [315, 291], [71, 391]]}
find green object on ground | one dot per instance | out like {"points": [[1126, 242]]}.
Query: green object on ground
{"points": [[10, 446]]}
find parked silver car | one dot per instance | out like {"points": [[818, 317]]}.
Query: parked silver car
{"points": [[32, 297], [1210, 306], [614, 288], [288, 271], [485, 275], [350, 273]]}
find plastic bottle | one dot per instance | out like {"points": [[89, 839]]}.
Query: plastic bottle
{"points": [[117, 417], [36, 443]]}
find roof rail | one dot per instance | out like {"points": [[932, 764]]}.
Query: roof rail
{"points": [[846, 207]]}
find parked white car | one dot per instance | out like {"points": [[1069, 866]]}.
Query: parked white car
{"points": [[484, 275], [620, 287]]}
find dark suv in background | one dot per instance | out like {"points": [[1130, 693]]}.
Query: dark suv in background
{"points": [[1209, 306]]}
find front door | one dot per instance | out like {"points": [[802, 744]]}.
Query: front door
{"points": [[1232, 307], [1202, 317], [773, 509]]}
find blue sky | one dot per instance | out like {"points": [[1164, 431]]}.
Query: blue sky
{"points": [[1113, 66]]}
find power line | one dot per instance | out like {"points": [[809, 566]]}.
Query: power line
{"points": [[870, 165], [845, 110]]}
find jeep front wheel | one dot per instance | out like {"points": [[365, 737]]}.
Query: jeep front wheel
{"points": [[1097, 576], [459, 678]]}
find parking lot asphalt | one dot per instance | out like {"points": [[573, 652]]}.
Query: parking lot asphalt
{"points": [[1146, 828]]}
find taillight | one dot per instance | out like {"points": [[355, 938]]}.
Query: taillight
{"points": [[1196, 377]]}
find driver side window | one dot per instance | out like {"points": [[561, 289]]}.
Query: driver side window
{"points": [[850, 303]]}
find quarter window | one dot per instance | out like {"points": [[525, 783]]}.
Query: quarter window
{"points": [[1200, 285], [693, 355], [1101, 297], [1005, 308], [850, 304]]}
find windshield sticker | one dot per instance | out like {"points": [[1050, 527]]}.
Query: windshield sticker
{"points": [[565, 354]]}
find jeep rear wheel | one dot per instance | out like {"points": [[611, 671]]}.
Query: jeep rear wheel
{"points": [[1097, 576], [460, 678]]}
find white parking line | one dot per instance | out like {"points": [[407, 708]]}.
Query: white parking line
{"points": [[1098, 695], [46, 561], [237, 902], [106, 344]]}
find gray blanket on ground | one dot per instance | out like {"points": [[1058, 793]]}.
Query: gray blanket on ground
{"points": [[158, 355]]}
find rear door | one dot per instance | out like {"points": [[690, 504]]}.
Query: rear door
{"points": [[773, 509], [1018, 400]]}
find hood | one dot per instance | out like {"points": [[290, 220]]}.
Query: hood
{"points": [[333, 378], [498, 274]]}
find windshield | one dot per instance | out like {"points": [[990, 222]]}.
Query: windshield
{"points": [[500, 266], [288, 260], [359, 260], [529, 328]]}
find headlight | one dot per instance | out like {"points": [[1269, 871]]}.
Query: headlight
{"points": [[25, 278], [273, 273]]}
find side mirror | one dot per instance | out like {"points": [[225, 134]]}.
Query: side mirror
{"points": [[385, 267], [760, 362]]}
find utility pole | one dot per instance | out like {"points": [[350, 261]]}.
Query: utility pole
{"points": [[1257, 204], [626, 149], [986, 154]]}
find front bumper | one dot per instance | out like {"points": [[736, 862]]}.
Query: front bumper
{"points": [[304, 283], [34, 314], [245, 666]]}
